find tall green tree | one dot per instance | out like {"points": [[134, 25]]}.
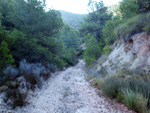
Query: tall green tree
{"points": [[31, 18], [93, 49], [70, 37], [5, 8], [96, 20], [128, 8], [108, 31]]}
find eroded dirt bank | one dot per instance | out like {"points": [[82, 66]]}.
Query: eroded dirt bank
{"points": [[68, 92]]}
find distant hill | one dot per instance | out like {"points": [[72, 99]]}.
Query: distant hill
{"points": [[72, 19]]}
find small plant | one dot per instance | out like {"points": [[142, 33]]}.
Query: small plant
{"points": [[15, 98], [107, 50], [97, 83], [71, 56]]}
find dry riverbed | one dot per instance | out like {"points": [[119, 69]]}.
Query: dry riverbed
{"points": [[68, 92]]}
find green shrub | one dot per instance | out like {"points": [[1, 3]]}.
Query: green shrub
{"points": [[119, 97], [128, 8], [135, 101], [133, 92], [89, 60], [111, 87], [97, 83], [93, 49], [107, 50], [140, 86], [71, 56], [60, 63], [133, 25], [108, 31]]}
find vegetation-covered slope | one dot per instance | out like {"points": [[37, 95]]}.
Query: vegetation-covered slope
{"points": [[72, 19], [124, 73], [33, 43]]}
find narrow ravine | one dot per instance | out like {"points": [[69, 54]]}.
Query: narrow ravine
{"points": [[67, 92]]}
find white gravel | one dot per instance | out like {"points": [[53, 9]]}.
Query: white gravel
{"points": [[67, 92]]}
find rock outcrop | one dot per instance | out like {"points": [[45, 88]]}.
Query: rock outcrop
{"points": [[133, 54]]}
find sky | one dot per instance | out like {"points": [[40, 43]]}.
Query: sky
{"points": [[74, 6]]}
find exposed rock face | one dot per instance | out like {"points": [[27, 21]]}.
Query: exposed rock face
{"points": [[133, 54]]}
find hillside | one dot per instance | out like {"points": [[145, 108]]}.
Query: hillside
{"points": [[72, 19]]}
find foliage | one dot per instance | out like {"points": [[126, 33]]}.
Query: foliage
{"points": [[6, 59], [108, 31], [70, 37], [33, 20], [96, 83], [111, 87], [132, 92], [135, 101], [133, 25], [96, 20], [107, 50], [71, 56], [128, 8], [60, 62], [11, 73], [34, 73], [29, 32], [34, 33], [5, 6], [93, 49], [144, 6]]}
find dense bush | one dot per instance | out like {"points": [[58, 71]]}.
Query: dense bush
{"points": [[111, 87], [128, 8], [96, 83], [135, 101], [132, 92], [71, 55], [6, 59], [34, 73], [70, 37], [108, 32], [28, 31], [133, 25]]}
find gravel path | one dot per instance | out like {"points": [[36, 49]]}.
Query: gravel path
{"points": [[68, 92]]}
